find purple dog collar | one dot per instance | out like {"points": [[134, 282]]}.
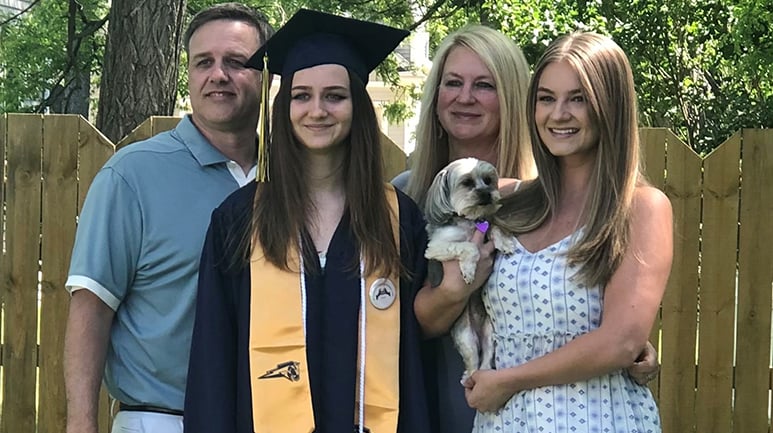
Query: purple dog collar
{"points": [[482, 226]]}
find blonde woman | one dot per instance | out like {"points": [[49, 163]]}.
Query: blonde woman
{"points": [[473, 105]]}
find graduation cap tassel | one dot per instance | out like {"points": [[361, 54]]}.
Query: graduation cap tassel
{"points": [[263, 129]]}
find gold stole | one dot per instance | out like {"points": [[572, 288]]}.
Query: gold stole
{"points": [[281, 393]]}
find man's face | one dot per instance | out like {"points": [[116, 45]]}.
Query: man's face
{"points": [[225, 95]]}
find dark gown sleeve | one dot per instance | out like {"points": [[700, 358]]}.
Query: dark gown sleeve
{"points": [[418, 383], [218, 397]]}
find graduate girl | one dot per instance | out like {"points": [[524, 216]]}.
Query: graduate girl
{"points": [[304, 319]]}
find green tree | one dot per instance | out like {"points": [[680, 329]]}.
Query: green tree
{"points": [[753, 45], [702, 68], [47, 56]]}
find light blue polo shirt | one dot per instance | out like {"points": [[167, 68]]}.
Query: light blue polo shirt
{"points": [[137, 247]]}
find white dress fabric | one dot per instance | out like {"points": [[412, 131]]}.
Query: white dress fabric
{"points": [[537, 306]]}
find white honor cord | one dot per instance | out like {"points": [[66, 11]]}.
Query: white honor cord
{"points": [[303, 293], [362, 332], [362, 344]]}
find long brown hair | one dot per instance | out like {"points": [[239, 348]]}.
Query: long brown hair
{"points": [[607, 83], [282, 207]]}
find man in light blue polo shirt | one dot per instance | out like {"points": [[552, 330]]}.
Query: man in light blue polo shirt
{"points": [[134, 265]]}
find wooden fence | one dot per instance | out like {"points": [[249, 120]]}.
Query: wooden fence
{"points": [[714, 332]]}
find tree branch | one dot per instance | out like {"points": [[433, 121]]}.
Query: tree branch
{"points": [[74, 40], [428, 14], [27, 9]]}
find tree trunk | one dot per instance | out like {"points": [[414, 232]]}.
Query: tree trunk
{"points": [[73, 98], [141, 61]]}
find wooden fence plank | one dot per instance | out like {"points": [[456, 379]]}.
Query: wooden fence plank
{"points": [[3, 277], [3, 273], [395, 161], [162, 123], [680, 309], [653, 154], [3, 126], [653, 157], [94, 149], [141, 132], [22, 246], [719, 243], [60, 207], [755, 275]]}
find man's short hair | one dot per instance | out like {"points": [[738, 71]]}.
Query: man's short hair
{"points": [[233, 12]]}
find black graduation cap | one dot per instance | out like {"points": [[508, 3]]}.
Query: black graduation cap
{"points": [[312, 38]]}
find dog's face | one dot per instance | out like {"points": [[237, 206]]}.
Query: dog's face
{"points": [[466, 187]]}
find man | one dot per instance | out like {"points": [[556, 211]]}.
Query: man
{"points": [[134, 266]]}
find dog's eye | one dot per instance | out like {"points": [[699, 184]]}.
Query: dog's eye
{"points": [[487, 180], [468, 183]]}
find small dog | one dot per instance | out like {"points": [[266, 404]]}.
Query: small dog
{"points": [[462, 198]]}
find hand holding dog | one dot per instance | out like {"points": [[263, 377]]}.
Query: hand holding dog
{"points": [[646, 366], [485, 392], [438, 307], [454, 283]]}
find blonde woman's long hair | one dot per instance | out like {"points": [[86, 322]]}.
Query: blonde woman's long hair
{"points": [[508, 66], [607, 83]]}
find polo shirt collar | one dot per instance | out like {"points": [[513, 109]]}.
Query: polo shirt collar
{"points": [[201, 149]]}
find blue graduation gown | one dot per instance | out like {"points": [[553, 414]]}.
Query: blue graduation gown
{"points": [[218, 395]]}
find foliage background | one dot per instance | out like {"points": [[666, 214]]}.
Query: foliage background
{"points": [[48, 49], [703, 68]]}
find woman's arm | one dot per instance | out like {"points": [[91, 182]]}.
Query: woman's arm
{"points": [[438, 307], [631, 301]]}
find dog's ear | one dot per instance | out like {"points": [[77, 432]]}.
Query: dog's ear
{"points": [[438, 208], [486, 168]]}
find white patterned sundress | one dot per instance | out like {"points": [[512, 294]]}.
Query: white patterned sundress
{"points": [[537, 306]]}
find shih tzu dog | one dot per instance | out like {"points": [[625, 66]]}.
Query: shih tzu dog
{"points": [[464, 197]]}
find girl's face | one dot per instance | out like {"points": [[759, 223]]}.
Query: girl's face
{"points": [[321, 106], [562, 113], [467, 102]]}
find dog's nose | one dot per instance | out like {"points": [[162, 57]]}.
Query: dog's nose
{"points": [[484, 197]]}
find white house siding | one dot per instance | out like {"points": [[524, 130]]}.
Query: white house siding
{"points": [[13, 6]]}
